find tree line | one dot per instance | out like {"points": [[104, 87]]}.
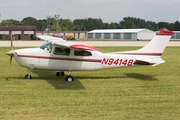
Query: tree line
{"points": [[89, 24]]}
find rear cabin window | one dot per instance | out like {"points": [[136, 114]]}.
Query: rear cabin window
{"points": [[61, 51], [82, 53]]}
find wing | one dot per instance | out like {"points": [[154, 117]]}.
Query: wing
{"points": [[75, 45], [49, 38], [83, 47], [61, 42]]}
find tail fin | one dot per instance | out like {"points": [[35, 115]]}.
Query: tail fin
{"points": [[154, 48], [158, 43]]}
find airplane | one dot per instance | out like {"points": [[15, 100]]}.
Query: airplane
{"points": [[60, 55]]}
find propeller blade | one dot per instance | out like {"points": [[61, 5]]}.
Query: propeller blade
{"points": [[11, 59], [11, 42], [11, 52]]}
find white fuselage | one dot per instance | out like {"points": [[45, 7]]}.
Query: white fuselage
{"points": [[36, 58]]}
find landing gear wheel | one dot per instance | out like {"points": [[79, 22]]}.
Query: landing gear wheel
{"points": [[60, 74], [27, 76], [69, 78]]}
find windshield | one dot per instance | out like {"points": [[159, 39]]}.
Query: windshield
{"points": [[46, 47]]}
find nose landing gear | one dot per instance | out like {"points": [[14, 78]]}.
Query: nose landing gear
{"points": [[28, 76]]}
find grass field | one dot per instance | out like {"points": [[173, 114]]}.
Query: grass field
{"points": [[137, 93]]}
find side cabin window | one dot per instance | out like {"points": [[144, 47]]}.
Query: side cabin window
{"points": [[82, 53], [61, 51]]}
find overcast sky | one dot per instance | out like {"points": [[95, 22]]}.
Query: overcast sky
{"points": [[107, 10]]}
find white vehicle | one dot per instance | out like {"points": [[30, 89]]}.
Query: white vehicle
{"points": [[60, 55]]}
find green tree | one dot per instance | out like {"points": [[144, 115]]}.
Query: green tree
{"points": [[131, 22], [150, 27], [111, 26], [163, 25], [29, 21], [66, 24], [78, 23], [128, 24], [52, 24], [106, 26], [15, 22], [41, 25], [6, 22], [176, 26], [88, 24]]}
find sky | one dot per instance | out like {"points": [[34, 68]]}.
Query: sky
{"points": [[107, 10]]}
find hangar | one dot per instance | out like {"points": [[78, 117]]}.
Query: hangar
{"points": [[176, 35], [18, 32], [132, 34]]}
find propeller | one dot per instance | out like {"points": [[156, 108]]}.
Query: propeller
{"points": [[11, 52]]}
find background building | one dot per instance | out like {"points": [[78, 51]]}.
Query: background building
{"points": [[81, 35], [132, 34], [176, 35], [18, 32]]}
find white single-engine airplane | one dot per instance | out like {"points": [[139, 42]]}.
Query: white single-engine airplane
{"points": [[60, 55]]}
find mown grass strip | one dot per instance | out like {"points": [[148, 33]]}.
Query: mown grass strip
{"points": [[124, 93]]}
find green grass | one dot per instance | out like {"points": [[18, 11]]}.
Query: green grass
{"points": [[137, 93]]}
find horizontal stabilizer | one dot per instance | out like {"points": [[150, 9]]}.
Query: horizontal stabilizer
{"points": [[149, 61]]}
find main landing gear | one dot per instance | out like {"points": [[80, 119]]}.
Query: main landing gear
{"points": [[68, 78], [60, 73]]}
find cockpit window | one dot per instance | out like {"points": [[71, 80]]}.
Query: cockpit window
{"points": [[82, 53], [61, 51], [47, 47]]}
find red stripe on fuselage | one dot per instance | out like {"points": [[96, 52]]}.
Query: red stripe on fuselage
{"points": [[61, 58]]}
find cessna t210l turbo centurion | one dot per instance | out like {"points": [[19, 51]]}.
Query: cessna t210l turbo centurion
{"points": [[60, 55]]}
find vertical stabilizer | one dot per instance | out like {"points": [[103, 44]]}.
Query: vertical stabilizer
{"points": [[158, 43]]}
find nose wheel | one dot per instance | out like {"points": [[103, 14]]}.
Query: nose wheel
{"points": [[28, 76]]}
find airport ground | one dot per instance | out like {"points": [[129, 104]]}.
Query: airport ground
{"points": [[91, 43], [134, 93]]}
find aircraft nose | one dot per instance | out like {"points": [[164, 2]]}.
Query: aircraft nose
{"points": [[10, 53]]}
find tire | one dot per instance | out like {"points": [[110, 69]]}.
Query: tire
{"points": [[60, 74], [27, 76], [57, 74], [69, 78]]}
